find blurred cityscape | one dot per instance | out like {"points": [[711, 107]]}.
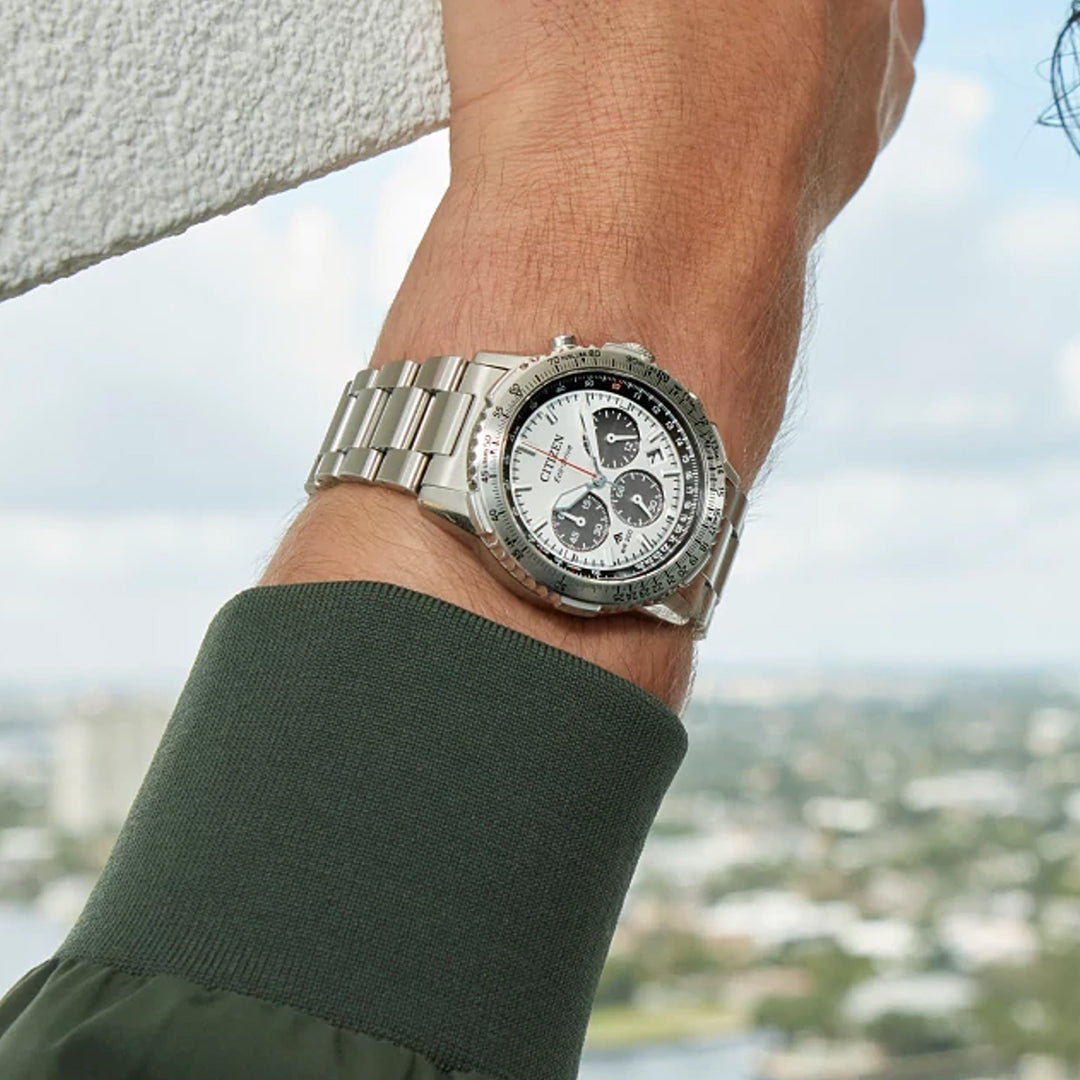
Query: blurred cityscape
{"points": [[883, 874]]}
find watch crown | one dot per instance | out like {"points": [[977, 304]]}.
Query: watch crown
{"points": [[563, 341]]}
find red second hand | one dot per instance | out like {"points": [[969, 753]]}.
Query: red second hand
{"points": [[555, 457]]}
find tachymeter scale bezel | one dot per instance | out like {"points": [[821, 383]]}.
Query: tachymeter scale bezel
{"points": [[502, 532]]}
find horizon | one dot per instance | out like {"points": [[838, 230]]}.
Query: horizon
{"points": [[759, 685]]}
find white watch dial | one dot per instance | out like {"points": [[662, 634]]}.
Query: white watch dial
{"points": [[602, 475]]}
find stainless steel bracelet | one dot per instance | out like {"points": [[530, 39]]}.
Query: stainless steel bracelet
{"points": [[723, 553], [406, 425]]}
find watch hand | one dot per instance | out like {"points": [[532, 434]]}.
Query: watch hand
{"points": [[612, 438], [568, 498], [638, 501], [601, 479], [578, 521], [555, 457]]}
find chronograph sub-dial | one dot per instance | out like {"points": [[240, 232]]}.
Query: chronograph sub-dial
{"points": [[617, 437], [637, 498], [582, 526]]}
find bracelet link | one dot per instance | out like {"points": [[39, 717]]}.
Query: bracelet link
{"points": [[401, 416], [395, 424], [360, 463]]}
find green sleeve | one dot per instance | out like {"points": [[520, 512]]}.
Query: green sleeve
{"points": [[381, 838]]}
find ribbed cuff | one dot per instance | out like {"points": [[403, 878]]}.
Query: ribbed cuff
{"points": [[394, 815]]}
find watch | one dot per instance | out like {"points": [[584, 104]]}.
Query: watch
{"points": [[592, 479]]}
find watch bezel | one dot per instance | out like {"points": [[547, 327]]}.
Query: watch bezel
{"points": [[505, 537]]}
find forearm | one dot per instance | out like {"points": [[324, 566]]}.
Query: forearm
{"points": [[569, 242], [637, 172], [492, 289]]}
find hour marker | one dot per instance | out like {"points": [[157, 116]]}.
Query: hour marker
{"points": [[552, 418], [656, 436], [671, 475], [522, 490], [526, 450]]}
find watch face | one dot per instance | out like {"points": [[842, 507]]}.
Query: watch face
{"points": [[602, 475], [597, 477]]}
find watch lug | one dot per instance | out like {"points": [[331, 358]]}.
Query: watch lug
{"points": [[634, 347], [672, 609], [505, 361], [448, 506], [579, 607]]}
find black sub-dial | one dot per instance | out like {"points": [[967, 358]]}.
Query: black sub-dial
{"points": [[583, 526], [637, 498], [617, 438]]}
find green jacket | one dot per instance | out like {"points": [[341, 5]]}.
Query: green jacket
{"points": [[382, 838]]}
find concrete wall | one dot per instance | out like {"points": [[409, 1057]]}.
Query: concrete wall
{"points": [[122, 121]]}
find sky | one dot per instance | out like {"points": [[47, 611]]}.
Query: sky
{"points": [[158, 412]]}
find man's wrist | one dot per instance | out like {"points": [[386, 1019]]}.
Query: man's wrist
{"points": [[489, 275], [504, 271]]}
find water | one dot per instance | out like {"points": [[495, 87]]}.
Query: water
{"points": [[26, 939], [731, 1058]]}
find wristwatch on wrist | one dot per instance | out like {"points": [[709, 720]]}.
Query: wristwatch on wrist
{"points": [[590, 475]]}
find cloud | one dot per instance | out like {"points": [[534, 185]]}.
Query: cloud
{"points": [[198, 372], [969, 412], [895, 567], [121, 597], [933, 161], [1069, 373], [1039, 236], [941, 322], [406, 198]]}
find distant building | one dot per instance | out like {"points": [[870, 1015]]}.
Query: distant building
{"points": [[689, 861], [978, 791], [1050, 730], [769, 918], [841, 815], [886, 941], [744, 990], [979, 940], [903, 895], [23, 848], [818, 1059], [1060, 919], [1071, 806], [103, 746], [1005, 868], [924, 994], [63, 899]]}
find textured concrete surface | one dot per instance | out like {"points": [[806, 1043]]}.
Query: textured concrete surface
{"points": [[122, 121]]}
